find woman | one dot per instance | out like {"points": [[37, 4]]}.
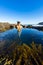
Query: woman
{"points": [[19, 27]]}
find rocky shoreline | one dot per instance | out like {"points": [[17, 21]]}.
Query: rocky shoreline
{"points": [[7, 26]]}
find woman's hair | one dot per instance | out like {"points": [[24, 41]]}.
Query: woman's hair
{"points": [[18, 22]]}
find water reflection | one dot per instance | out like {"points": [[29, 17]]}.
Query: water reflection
{"points": [[29, 35], [24, 36], [9, 37]]}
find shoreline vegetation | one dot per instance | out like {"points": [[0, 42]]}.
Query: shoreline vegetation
{"points": [[23, 55], [7, 26]]}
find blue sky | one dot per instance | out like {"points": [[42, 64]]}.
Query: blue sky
{"points": [[26, 11]]}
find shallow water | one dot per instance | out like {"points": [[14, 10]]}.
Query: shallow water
{"points": [[9, 37], [29, 35], [24, 36]]}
